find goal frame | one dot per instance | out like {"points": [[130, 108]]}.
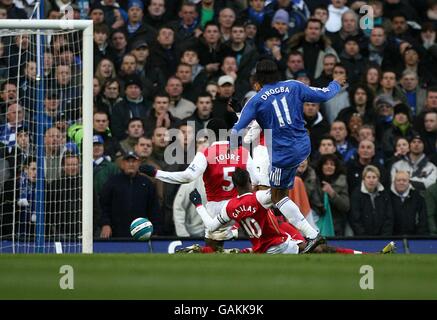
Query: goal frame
{"points": [[86, 27]]}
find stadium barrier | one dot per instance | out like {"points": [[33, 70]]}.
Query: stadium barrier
{"points": [[408, 245]]}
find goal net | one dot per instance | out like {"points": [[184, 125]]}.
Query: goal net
{"points": [[45, 136]]}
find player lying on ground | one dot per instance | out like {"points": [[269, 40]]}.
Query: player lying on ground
{"points": [[278, 106], [252, 212], [216, 165]]}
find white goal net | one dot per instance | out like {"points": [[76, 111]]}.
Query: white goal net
{"points": [[45, 136]]}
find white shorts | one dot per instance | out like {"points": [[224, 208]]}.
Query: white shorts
{"points": [[288, 247], [223, 233]]}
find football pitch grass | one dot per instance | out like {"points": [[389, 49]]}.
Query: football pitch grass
{"points": [[218, 276]]}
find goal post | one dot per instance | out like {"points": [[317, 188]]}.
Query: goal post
{"points": [[77, 235]]}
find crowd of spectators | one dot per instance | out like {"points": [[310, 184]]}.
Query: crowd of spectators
{"points": [[176, 64]]}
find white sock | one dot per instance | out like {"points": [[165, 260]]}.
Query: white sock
{"points": [[291, 211]]}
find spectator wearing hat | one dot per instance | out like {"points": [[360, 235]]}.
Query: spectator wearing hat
{"points": [[384, 114], [222, 103], [103, 167], [133, 105], [297, 10], [409, 209], [135, 28], [280, 22], [127, 196], [313, 45], [96, 13], [423, 173], [165, 53], [416, 96], [401, 127], [352, 59]]}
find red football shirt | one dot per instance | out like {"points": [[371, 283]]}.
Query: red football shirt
{"points": [[259, 223], [221, 165]]}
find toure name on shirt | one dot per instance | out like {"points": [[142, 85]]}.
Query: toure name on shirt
{"points": [[226, 156], [277, 90]]}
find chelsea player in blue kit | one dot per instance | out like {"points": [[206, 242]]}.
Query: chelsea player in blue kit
{"points": [[278, 106]]}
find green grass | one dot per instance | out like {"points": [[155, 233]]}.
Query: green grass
{"points": [[148, 276]]}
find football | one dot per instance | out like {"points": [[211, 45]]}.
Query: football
{"points": [[141, 229]]}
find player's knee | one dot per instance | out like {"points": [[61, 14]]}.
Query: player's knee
{"points": [[278, 195]]}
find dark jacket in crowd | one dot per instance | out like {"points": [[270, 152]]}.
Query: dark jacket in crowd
{"points": [[371, 214], [355, 172], [409, 213], [124, 198], [125, 110]]}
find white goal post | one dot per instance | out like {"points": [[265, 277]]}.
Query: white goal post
{"points": [[85, 27]]}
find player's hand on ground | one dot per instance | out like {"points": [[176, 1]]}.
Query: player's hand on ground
{"points": [[148, 170], [195, 198], [341, 79]]}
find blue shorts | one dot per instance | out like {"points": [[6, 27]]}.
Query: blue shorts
{"points": [[282, 178]]}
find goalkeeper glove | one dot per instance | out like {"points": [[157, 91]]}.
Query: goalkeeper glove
{"points": [[148, 170], [195, 198]]}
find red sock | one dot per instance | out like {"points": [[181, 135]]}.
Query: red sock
{"points": [[207, 250], [347, 251]]}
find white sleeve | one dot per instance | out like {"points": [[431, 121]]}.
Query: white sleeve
{"points": [[211, 224], [264, 197], [253, 133], [196, 168]]}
